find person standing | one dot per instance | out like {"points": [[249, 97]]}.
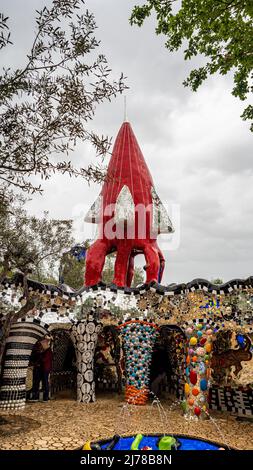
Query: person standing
{"points": [[46, 365], [42, 357], [35, 362]]}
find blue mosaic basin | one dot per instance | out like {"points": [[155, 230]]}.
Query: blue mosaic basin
{"points": [[185, 443]]}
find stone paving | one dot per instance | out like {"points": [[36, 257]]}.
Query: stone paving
{"points": [[65, 424]]}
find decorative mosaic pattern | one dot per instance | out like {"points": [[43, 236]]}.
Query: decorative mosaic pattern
{"points": [[23, 336], [235, 400], [138, 341], [198, 372], [228, 307], [84, 335]]}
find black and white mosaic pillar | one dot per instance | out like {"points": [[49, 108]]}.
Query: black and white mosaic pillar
{"points": [[23, 335], [84, 335]]}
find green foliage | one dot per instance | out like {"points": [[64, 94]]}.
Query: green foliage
{"points": [[217, 281], [46, 104], [138, 277], [30, 244], [219, 30], [108, 272], [73, 271]]}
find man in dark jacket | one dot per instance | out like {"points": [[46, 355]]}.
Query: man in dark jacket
{"points": [[46, 366], [42, 357]]}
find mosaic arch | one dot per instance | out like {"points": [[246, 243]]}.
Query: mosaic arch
{"points": [[23, 336]]}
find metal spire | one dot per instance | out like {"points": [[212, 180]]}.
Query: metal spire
{"points": [[125, 109]]}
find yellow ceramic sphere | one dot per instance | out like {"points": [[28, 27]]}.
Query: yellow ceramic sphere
{"points": [[193, 341], [187, 389]]}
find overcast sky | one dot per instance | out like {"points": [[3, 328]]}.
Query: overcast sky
{"points": [[198, 149]]}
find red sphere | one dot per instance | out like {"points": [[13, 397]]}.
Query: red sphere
{"points": [[197, 411], [193, 377]]}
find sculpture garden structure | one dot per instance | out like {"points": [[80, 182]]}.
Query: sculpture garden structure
{"points": [[197, 316]]}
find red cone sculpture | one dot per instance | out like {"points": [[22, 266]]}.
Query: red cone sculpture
{"points": [[129, 215]]}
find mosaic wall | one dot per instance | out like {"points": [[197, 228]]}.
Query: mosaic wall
{"points": [[227, 310]]}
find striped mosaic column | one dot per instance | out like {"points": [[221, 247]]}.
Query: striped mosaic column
{"points": [[84, 335], [23, 335], [138, 342]]}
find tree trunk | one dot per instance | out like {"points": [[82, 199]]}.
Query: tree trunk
{"points": [[11, 318]]}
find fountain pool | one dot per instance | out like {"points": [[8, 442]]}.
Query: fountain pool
{"points": [[151, 442]]}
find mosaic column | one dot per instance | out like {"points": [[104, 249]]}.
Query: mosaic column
{"points": [[19, 345], [198, 371], [84, 335], [138, 342]]}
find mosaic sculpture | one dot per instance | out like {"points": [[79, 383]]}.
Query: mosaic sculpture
{"points": [[198, 302], [129, 215], [138, 341], [232, 357], [22, 338], [84, 335]]}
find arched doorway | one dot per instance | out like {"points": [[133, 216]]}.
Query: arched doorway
{"points": [[108, 360], [64, 373], [168, 359]]}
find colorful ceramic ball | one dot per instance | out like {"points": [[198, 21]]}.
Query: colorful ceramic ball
{"points": [[202, 368], [203, 385], [183, 405], [197, 411], [191, 402], [193, 341], [187, 389], [194, 359], [200, 351], [202, 399], [193, 377], [195, 392], [191, 351], [202, 341], [209, 332], [189, 331], [208, 347], [199, 334]]}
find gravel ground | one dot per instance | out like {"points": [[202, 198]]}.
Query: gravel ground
{"points": [[66, 424]]}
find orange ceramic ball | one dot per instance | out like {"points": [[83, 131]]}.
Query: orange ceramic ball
{"points": [[194, 359], [208, 347], [195, 392], [191, 401], [188, 360]]}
